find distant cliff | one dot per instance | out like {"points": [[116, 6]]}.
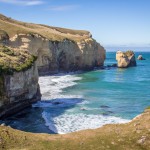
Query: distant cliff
{"points": [[57, 49]]}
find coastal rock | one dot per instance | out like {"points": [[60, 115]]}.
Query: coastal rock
{"points": [[18, 82], [125, 59], [112, 65], [140, 57]]}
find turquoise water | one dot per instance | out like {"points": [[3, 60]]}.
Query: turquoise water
{"points": [[73, 102]]}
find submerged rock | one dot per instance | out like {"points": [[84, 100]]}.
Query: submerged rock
{"points": [[140, 57], [125, 59], [112, 65], [104, 106]]}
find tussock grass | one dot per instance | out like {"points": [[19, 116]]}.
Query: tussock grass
{"points": [[12, 60]]}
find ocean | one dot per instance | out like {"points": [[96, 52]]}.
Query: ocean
{"points": [[88, 100]]}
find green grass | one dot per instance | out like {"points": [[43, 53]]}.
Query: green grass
{"points": [[14, 60]]}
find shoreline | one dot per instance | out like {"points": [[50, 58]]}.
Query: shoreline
{"points": [[132, 135]]}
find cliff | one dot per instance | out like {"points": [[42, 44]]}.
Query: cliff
{"points": [[18, 80], [57, 49]]}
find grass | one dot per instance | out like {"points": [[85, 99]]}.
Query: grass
{"points": [[13, 27], [14, 60], [134, 135], [129, 53]]}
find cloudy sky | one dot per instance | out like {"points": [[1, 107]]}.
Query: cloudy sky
{"points": [[112, 22]]}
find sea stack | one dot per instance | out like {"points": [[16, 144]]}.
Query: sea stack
{"points": [[125, 59], [140, 57]]}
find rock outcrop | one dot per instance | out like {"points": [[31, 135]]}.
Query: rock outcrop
{"points": [[140, 57], [125, 59], [18, 81]]}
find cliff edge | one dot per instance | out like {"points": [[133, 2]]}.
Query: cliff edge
{"points": [[57, 49]]}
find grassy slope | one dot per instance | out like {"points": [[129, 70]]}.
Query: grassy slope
{"points": [[13, 27], [131, 136]]}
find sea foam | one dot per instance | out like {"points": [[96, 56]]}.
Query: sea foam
{"points": [[54, 102], [52, 86], [67, 123]]}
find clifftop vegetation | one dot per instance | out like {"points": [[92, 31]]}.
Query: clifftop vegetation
{"points": [[129, 53], [12, 60], [13, 27]]}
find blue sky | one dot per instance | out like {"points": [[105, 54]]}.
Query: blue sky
{"points": [[111, 22]]}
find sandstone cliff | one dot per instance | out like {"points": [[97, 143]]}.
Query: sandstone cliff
{"points": [[18, 80], [125, 59], [57, 49]]}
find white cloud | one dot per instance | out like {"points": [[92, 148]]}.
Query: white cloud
{"points": [[23, 2], [63, 7]]}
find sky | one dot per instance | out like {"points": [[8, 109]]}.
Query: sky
{"points": [[111, 22]]}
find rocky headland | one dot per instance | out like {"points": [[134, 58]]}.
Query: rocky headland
{"points": [[55, 49]]}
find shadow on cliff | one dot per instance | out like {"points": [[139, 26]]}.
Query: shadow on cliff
{"points": [[39, 117]]}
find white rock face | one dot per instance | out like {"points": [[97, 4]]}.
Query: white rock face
{"points": [[21, 89], [122, 59], [67, 55]]}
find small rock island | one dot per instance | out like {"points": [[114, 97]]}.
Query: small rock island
{"points": [[140, 57]]}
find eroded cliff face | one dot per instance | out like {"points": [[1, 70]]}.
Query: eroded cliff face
{"points": [[18, 91], [18, 80], [66, 55]]}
